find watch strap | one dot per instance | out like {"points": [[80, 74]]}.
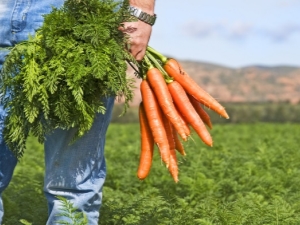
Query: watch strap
{"points": [[145, 17]]}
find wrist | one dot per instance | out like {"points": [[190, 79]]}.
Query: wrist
{"points": [[146, 16]]}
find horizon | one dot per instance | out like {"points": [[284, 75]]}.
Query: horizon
{"points": [[240, 67]]}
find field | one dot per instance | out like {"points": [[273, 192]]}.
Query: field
{"points": [[250, 176]]}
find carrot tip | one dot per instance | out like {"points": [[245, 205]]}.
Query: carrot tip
{"points": [[226, 116]]}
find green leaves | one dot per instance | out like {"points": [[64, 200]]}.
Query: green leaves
{"points": [[57, 77], [250, 176], [74, 216]]}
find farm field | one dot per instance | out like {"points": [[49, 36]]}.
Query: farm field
{"points": [[250, 176]]}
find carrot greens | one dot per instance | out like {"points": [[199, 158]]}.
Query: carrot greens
{"points": [[57, 77]]}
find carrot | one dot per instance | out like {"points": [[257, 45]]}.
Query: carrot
{"points": [[168, 128], [174, 69], [185, 124], [203, 115], [160, 88], [173, 168], [178, 145], [187, 110], [154, 117], [147, 145]]}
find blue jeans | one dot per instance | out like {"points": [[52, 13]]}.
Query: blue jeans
{"points": [[76, 172]]}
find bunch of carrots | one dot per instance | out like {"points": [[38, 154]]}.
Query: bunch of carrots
{"points": [[172, 104]]}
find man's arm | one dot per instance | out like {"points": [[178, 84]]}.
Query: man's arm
{"points": [[145, 5], [139, 31]]}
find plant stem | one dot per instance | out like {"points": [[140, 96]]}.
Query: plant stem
{"points": [[163, 58], [167, 78], [148, 62]]}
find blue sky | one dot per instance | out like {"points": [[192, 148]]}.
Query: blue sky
{"points": [[232, 33]]}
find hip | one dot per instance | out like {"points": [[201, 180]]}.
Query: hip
{"points": [[21, 18]]}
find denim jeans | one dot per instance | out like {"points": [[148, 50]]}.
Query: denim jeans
{"points": [[76, 172]]}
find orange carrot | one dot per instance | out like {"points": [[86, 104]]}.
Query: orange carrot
{"points": [[160, 88], [178, 145], [202, 113], [174, 69], [154, 117], [185, 124], [187, 110], [173, 168], [168, 128], [147, 145]]}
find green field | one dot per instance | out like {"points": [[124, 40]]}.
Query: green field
{"points": [[250, 176]]}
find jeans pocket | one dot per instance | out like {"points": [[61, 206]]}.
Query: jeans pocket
{"points": [[19, 16]]}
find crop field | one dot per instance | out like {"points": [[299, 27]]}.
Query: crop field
{"points": [[250, 176]]}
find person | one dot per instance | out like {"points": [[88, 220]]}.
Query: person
{"points": [[76, 172]]}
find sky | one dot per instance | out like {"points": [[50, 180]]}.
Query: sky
{"points": [[233, 33]]}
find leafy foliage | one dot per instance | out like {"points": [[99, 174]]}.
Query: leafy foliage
{"points": [[25, 222], [70, 212], [58, 76], [250, 176]]}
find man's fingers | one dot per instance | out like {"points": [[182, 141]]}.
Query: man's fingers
{"points": [[138, 37], [127, 28], [139, 55]]}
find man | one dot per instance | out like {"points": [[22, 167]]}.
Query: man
{"points": [[75, 172]]}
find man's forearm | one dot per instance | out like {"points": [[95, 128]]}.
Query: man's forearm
{"points": [[146, 5]]}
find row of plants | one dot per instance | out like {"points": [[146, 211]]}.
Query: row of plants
{"points": [[250, 176]]}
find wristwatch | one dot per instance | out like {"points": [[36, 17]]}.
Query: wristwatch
{"points": [[145, 17]]}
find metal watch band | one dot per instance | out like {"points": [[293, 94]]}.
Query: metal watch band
{"points": [[145, 17]]}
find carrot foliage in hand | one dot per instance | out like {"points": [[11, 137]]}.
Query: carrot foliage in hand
{"points": [[57, 77]]}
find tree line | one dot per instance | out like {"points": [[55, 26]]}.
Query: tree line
{"points": [[275, 112]]}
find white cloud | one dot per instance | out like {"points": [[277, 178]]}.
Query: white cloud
{"points": [[199, 29], [287, 3], [202, 30], [239, 30], [282, 33]]}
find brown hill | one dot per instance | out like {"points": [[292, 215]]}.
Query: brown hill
{"points": [[247, 84]]}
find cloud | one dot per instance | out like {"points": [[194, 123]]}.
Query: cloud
{"points": [[281, 33], [199, 29], [202, 29], [287, 3], [239, 30]]}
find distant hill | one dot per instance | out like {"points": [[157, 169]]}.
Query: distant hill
{"points": [[255, 83]]}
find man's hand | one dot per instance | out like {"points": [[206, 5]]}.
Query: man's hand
{"points": [[139, 32]]}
